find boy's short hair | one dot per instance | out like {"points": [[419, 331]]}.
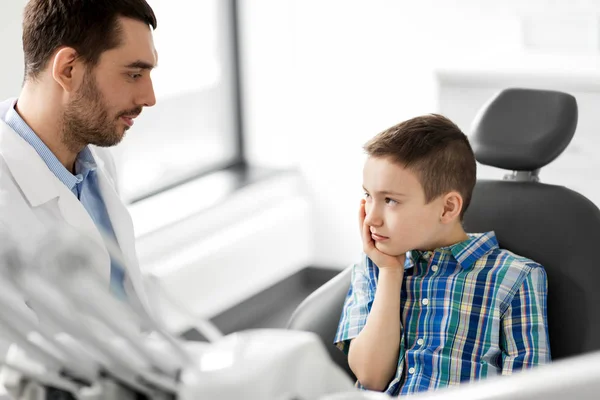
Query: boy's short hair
{"points": [[88, 26], [435, 149]]}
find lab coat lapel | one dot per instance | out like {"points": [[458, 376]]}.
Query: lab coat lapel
{"points": [[40, 186], [77, 216], [123, 228]]}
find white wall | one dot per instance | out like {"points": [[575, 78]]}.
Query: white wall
{"points": [[357, 67], [11, 58], [320, 79], [462, 91], [216, 258], [209, 253]]}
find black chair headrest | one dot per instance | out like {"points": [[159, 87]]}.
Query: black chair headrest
{"points": [[523, 129]]}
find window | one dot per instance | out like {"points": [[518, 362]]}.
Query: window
{"points": [[194, 128]]}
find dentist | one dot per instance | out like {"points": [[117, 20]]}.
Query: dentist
{"points": [[87, 77]]}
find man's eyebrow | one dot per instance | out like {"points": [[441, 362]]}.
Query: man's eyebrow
{"points": [[386, 192], [141, 65]]}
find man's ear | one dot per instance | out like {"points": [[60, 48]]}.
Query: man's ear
{"points": [[452, 206], [67, 68]]}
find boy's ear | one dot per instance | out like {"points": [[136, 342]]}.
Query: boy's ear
{"points": [[452, 206]]}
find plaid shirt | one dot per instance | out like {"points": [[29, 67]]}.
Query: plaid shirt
{"points": [[468, 311]]}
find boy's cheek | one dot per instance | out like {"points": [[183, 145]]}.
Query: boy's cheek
{"points": [[402, 240]]}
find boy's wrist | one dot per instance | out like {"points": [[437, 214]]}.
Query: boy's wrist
{"points": [[392, 273]]}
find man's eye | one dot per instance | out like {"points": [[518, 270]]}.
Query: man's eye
{"points": [[135, 75]]}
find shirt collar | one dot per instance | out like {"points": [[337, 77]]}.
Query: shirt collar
{"points": [[466, 253], [85, 162], [83, 165]]}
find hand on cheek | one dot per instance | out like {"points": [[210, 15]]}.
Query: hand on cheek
{"points": [[382, 260]]}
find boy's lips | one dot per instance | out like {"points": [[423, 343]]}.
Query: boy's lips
{"points": [[378, 237]]}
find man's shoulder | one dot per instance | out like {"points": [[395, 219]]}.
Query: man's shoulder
{"points": [[5, 105], [7, 182], [16, 214]]}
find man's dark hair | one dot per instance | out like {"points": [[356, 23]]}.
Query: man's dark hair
{"points": [[89, 26], [435, 149]]}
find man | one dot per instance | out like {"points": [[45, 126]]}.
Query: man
{"points": [[87, 77]]}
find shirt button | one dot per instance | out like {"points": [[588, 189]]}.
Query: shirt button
{"points": [[420, 342], [434, 268], [425, 256], [411, 370], [425, 302]]}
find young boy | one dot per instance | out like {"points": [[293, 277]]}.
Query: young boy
{"points": [[430, 306]]}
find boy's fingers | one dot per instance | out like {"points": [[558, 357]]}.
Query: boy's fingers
{"points": [[361, 213], [365, 230], [366, 237]]}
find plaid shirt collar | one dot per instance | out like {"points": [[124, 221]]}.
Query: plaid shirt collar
{"points": [[466, 253]]}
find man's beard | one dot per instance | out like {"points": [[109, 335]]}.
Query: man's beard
{"points": [[87, 121]]}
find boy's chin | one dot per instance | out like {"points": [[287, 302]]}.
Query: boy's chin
{"points": [[393, 251]]}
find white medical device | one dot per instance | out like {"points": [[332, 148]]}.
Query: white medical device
{"points": [[75, 337]]}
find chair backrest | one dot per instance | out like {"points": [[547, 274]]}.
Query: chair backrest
{"points": [[524, 130], [320, 313], [521, 130]]}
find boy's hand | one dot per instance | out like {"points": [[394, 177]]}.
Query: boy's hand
{"points": [[382, 260]]}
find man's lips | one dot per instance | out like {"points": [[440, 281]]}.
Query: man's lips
{"points": [[128, 119]]}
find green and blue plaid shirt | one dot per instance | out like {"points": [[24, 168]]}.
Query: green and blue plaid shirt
{"points": [[468, 311]]}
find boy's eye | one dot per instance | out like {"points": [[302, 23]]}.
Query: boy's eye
{"points": [[390, 201]]}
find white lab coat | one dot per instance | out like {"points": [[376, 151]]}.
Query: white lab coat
{"points": [[33, 198]]}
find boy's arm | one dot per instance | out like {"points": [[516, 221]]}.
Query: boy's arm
{"points": [[366, 306], [524, 331], [375, 340], [357, 304], [373, 355]]}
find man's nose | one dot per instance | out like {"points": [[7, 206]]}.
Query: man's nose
{"points": [[147, 97]]}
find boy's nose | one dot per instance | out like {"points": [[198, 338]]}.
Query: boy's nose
{"points": [[372, 218]]}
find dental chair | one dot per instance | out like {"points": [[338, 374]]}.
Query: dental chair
{"points": [[519, 130]]}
